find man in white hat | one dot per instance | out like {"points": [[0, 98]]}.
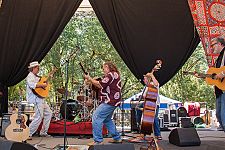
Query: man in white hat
{"points": [[42, 109]]}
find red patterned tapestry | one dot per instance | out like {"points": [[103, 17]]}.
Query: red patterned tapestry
{"points": [[209, 19]]}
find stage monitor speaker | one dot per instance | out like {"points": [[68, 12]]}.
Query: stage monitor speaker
{"points": [[112, 147], [10, 145], [5, 123], [184, 137]]}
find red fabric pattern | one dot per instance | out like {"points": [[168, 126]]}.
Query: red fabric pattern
{"points": [[209, 19]]}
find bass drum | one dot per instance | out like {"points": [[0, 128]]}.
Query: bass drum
{"points": [[73, 108]]}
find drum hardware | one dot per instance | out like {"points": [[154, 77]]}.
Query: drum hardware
{"points": [[62, 91], [73, 108]]}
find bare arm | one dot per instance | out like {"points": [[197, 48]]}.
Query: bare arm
{"points": [[154, 80]]}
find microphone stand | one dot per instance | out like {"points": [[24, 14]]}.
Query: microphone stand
{"points": [[122, 124], [65, 104], [66, 63]]}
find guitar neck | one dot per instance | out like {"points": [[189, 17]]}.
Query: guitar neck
{"points": [[200, 75], [83, 68], [20, 104], [51, 73]]}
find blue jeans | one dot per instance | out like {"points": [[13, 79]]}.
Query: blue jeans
{"points": [[103, 115], [156, 119], [220, 110]]}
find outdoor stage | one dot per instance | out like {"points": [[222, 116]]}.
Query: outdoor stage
{"points": [[210, 140]]}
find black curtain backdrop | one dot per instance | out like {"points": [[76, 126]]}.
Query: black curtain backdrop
{"points": [[28, 29], [145, 30]]}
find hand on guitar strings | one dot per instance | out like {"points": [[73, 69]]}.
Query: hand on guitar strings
{"points": [[220, 75], [42, 85]]}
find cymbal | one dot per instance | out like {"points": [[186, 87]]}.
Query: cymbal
{"points": [[82, 98], [62, 91]]}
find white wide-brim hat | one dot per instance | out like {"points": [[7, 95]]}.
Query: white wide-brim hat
{"points": [[33, 64]]}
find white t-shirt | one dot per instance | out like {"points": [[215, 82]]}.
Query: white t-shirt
{"points": [[31, 82]]}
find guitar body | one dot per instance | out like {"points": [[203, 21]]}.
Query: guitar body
{"points": [[149, 110], [219, 83], [18, 130], [42, 92]]}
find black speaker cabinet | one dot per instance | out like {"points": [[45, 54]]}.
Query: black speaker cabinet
{"points": [[10, 145], [173, 116], [182, 112], [134, 126], [184, 137], [112, 147], [185, 122], [166, 120], [4, 123]]}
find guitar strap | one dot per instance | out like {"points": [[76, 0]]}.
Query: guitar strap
{"points": [[220, 58]]}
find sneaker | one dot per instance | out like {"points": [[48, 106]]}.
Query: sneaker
{"points": [[94, 143], [159, 137], [115, 141], [219, 128], [45, 135]]}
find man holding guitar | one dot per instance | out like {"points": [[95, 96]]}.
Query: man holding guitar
{"points": [[218, 46], [42, 109], [109, 96]]}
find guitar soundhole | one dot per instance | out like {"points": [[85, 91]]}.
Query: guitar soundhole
{"points": [[213, 76], [18, 121]]}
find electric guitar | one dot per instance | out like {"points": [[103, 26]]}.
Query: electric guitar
{"points": [[18, 130], [210, 77], [43, 92]]}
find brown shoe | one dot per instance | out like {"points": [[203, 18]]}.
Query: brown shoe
{"points": [[94, 143], [29, 138], [115, 141]]}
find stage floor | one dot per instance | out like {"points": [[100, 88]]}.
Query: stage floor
{"points": [[210, 140]]}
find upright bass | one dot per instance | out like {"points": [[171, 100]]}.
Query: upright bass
{"points": [[150, 105]]}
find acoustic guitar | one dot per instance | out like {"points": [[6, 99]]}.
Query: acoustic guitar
{"points": [[18, 130], [210, 77], [43, 92], [150, 104]]}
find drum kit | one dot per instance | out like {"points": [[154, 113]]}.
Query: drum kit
{"points": [[80, 106]]}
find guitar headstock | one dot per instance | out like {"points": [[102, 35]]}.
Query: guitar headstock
{"points": [[21, 92], [158, 65], [54, 69]]}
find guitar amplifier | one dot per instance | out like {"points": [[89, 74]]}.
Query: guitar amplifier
{"points": [[173, 116], [185, 122], [166, 120], [5, 123]]}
